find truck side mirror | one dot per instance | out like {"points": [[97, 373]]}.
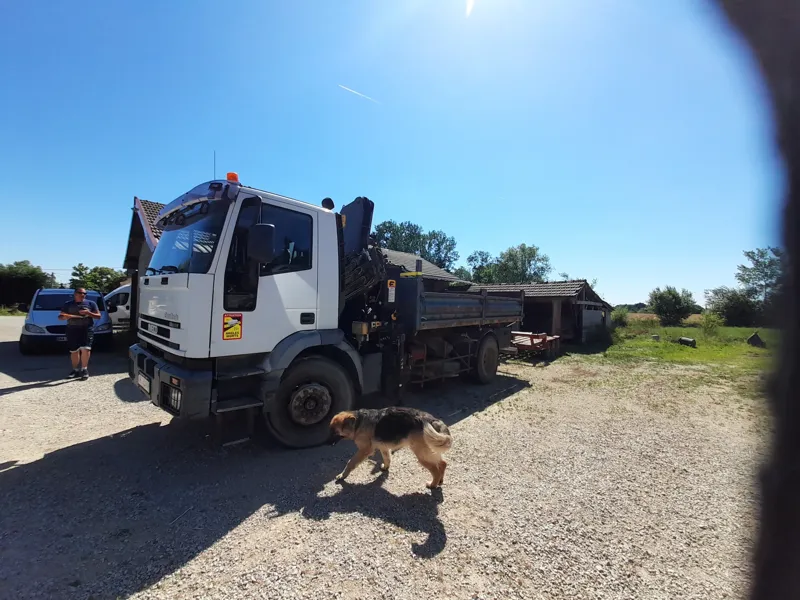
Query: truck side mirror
{"points": [[112, 308], [22, 307], [261, 242]]}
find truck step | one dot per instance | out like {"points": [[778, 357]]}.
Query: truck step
{"points": [[239, 373], [239, 403]]}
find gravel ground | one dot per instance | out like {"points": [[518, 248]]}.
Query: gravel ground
{"points": [[569, 480]]}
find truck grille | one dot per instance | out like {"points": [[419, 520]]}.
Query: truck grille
{"points": [[62, 329]]}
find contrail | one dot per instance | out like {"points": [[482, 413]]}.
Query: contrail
{"points": [[347, 89], [470, 6]]}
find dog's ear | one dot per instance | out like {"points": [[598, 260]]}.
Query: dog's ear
{"points": [[343, 421]]}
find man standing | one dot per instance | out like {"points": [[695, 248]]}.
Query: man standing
{"points": [[79, 313]]}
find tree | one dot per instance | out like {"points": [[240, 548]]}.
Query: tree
{"points": [[463, 273], [619, 316], [670, 306], [101, 279], [765, 271], [19, 280], [522, 264], [440, 249], [435, 246], [403, 237], [737, 307], [483, 266]]}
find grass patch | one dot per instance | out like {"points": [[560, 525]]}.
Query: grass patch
{"points": [[721, 357], [10, 311]]}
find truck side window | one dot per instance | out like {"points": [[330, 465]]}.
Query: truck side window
{"points": [[294, 232], [241, 274]]}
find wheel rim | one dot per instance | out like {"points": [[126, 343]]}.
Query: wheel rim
{"points": [[309, 404]]}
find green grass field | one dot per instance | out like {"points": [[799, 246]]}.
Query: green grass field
{"points": [[723, 356]]}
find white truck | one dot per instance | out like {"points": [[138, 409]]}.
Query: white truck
{"points": [[254, 301]]}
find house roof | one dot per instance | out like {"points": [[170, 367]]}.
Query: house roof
{"points": [[547, 289], [148, 215], [408, 262], [151, 210]]}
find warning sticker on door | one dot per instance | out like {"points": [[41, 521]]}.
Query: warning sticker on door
{"points": [[392, 284], [232, 326]]}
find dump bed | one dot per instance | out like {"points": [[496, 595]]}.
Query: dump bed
{"points": [[419, 310]]}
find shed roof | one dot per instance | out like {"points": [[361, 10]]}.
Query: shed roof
{"points": [[408, 261], [546, 289]]}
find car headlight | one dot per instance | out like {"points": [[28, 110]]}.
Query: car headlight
{"points": [[102, 328], [31, 328]]}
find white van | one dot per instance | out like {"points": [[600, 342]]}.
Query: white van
{"points": [[121, 299], [42, 329]]}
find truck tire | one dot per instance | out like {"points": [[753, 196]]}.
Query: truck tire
{"points": [[486, 360], [311, 392]]}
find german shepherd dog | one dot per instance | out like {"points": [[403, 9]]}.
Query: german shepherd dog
{"points": [[390, 429]]}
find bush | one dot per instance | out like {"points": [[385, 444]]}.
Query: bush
{"points": [[670, 306], [710, 322], [619, 317], [736, 307]]}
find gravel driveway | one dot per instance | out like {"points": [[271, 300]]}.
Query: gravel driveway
{"points": [[569, 480]]}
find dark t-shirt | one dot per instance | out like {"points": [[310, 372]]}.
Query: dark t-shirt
{"points": [[74, 308]]}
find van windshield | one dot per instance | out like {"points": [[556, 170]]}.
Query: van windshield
{"points": [[189, 239], [57, 301]]}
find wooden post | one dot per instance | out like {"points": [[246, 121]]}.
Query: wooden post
{"points": [[556, 317]]}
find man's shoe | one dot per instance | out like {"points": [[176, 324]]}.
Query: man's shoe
{"points": [[74, 373], [84, 374]]}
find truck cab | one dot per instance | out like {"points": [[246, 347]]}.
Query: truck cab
{"points": [[255, 301]]}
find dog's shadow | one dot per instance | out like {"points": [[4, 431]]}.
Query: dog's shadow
{"points": [[411, 512]]}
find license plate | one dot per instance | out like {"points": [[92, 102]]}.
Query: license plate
{"points": [[152, 328], [61, 339], [143, 382]]}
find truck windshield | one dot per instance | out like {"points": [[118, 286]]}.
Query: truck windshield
{"points": [[189, 238]]}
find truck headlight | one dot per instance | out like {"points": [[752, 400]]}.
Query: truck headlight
{"points": [[31, 328], [102, 328]]}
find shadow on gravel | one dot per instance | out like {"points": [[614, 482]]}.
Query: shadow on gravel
{"points": [[411, 512], [53, 367], [113, 516]]}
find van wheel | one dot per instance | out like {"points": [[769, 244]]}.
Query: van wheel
{"points": [[311, 392], [486, 360], [24, 347]]}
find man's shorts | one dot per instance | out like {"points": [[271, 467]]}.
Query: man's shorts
{"points": [[79, 338]]}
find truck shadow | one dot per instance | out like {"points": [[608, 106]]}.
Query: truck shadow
{"points": [[112, 516]]}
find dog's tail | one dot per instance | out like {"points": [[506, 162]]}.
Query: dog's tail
{"points": [[437, 435]]}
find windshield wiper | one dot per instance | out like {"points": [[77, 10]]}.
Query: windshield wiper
{"points": [[165, 270]]}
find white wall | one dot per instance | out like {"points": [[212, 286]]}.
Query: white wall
{"points": [[592, 319]]}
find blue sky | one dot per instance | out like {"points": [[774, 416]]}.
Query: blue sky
{"points": [[629, 140]]}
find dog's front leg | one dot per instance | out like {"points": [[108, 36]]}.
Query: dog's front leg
{"points": [[357, 459]]}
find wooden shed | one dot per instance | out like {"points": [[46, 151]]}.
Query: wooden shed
{"points": [[570, 309]]}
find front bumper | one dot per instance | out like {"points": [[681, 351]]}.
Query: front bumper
{"points": [[183, 393], [49, 341]]}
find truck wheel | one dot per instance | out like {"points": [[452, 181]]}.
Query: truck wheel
{"points": [[312, 391], [486, 360]]}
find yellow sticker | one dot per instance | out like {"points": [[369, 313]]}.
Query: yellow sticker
{"points": [[232, 326], [391, 283]]}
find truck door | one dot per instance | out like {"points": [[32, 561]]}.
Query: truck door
{"points": [[261, 304]]}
